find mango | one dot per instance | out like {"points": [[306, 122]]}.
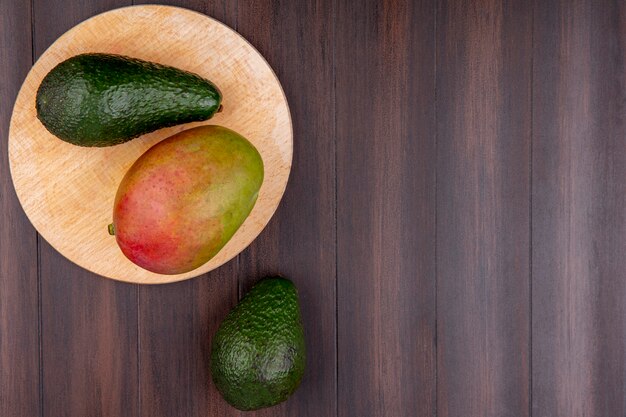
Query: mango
{"points": [[185, 197]]}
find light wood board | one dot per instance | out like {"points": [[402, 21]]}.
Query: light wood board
{"points": [[68, 191]]}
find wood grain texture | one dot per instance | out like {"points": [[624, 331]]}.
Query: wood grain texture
{"points": [[176, 324], [19, 312], [89, 325], [223, 10], [296, 37], [483, 214], [89, 341], [442, 200], [386, 208], [579, 214], [68, 191]]}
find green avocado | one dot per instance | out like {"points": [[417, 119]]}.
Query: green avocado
{"points": [[258, 354], [100, 99]]}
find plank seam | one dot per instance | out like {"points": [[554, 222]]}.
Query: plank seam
{"points": [[38, 248], [40, 324], [530, 213], [138, 303], [334, 66], [436, 408]]}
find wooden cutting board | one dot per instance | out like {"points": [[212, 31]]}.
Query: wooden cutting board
{"points": [[68, 191]]}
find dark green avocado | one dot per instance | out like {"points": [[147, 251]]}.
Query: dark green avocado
{"points": [[103, 99], [258, 353]]}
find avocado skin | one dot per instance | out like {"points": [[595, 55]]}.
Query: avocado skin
{"points": [[100, 99], [258, 354]]}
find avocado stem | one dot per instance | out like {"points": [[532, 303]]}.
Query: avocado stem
{"points": [[112, 229], [219, 109]]}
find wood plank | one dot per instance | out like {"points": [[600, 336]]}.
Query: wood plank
{"points": [[296, 38], [177, 321], [579, 195], [89, 341], [19, 293], [89, 324], [483, 187], [386, 208]]}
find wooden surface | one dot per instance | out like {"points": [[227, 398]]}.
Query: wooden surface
{"points": [[385, 95], [579, 209], [455, 220], [67, 191], [20, 363], [483, 187]]}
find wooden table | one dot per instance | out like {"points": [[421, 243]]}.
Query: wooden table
{"points": [[455, 222]]}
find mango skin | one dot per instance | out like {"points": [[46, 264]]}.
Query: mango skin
{"points": [[185, 197]]}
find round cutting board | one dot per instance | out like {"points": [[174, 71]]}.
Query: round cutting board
{"points": [[68, 191]]}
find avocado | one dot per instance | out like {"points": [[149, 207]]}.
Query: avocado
{"points": [[98, 99], [258, 353]]}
